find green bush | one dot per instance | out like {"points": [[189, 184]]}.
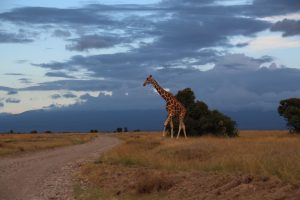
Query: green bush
{"points": [[290, 110], [200, 120]]}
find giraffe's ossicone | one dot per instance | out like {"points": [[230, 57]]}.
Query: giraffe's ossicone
{"points": [[173, 107]]}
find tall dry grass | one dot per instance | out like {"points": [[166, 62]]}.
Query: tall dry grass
{"points": [[17, 143], [264, 153]]}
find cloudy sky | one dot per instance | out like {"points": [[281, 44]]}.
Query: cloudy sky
{"points": [[95, 55]]}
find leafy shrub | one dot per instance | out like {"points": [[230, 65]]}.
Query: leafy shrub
{"points": [[200, 120], [290, 110], [48, 131], [119, 130]]}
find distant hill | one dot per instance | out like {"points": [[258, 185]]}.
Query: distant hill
{"points": [[83, 121], [258, 120], [42, 120]]}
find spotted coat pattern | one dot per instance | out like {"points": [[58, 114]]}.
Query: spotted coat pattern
{"points": [[173, 106]]}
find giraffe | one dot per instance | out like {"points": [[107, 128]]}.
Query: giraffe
{"points": [[173, 107]]}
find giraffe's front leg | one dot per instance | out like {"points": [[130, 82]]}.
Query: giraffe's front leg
{"points": [[171, 123], [166, 124]]}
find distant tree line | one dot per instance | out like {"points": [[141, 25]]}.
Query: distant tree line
{"points": [[120, 130]]}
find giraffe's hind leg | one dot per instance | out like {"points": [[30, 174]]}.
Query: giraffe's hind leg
{"points": [[179, 129], [183, 126], [166, 124], [171, 123]]}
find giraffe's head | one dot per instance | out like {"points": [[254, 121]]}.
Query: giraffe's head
{"points": [[148, 80]]}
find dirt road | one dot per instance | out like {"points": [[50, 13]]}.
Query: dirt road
{"points": [[47, 174]]}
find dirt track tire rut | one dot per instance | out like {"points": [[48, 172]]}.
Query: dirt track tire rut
{"points": [[47, 174]]}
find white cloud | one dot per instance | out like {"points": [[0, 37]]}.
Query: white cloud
{"points": [[32, 100], [276, 18], [273, 42]]}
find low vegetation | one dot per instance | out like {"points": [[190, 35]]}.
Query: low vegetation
{"points": [[290, 110], [146, 165], [18, 143], [200, 120]]}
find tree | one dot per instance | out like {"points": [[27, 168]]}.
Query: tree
{"points": [[119, 130], [290, 110], [48, 131], [200, 120]]}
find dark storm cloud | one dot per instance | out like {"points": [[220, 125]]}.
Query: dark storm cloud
{"points": [[131, 65], [288, 27], [12, 92], [77, 85], [89, 15], [14, 74], [2, 88], [13, 38], [55, 96], [235, 90], [257, 8], [58, 74], [12, 100], [25, 80], [139, 98], [80, 16], [1, 104], [61, 33], [69, 95], [86, 42], [240, 62], [176, 39], [243, 44], [237, 82], [53, 65], [265, 8], [210, 31], [184, 34]]}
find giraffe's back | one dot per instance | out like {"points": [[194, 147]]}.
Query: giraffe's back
{"points": [[175, 108]]}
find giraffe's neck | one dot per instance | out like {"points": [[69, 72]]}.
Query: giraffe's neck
{"points": [[163, 93]]}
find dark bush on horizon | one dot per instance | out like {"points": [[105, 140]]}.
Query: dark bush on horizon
{"points": [[200, 120], [290, 110], [119, 130]]}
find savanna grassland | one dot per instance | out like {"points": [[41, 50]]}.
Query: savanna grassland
{"points": [[12, 144], [255, 165]]}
